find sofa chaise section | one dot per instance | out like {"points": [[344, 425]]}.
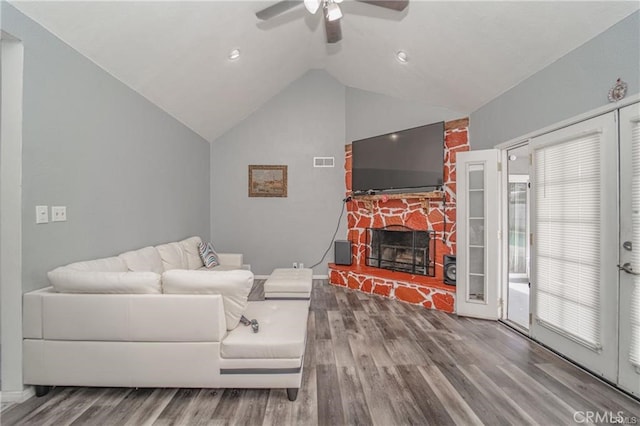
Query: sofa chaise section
{"points": [[160, 340], [155, 317]]}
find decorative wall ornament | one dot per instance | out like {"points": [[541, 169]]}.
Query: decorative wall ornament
{"points": [[618, 91]]}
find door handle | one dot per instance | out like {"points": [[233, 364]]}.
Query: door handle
{"points": [[628, 269]]}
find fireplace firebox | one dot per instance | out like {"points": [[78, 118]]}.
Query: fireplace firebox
{"points": [[402, 249]]}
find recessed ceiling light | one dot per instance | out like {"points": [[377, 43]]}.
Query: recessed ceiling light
{"points": [[234, 54], [402, 57], [393, 136]]}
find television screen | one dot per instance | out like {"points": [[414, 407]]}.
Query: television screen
{"points": [[405, 160]]}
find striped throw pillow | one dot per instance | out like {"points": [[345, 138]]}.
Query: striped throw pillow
{"points": [[208, 255]]}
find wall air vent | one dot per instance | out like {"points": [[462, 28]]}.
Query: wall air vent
{"points": [[324, 161]]}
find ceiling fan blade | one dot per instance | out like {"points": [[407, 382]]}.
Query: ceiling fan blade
{"points": [[334, 30], [398, 5], [277, 9]]}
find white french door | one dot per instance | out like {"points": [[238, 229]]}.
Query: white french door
{"points": [[574, 200], [477, 228], [629, 356]]}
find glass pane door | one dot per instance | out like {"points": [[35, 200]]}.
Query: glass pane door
{"points": [[477, 282], [574, 223], [477, 239]]}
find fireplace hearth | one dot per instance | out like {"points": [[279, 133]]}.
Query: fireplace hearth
{"points": [[402, 249]]}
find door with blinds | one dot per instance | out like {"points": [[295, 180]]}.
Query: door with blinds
{"points": [[574, 243], [629, 357]]}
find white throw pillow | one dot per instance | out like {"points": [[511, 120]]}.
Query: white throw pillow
{"points": [[234, 286], [190, 247], [144, 260], [68, 281], [173, 256]]}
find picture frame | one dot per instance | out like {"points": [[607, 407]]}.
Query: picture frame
{"points": [[267, 181]]}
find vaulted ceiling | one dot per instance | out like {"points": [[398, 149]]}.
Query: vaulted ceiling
{"points": [[461, 54]]}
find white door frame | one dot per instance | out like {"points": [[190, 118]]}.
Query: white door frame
{"points": [[628, 374], [504, 226], [12, 52]]}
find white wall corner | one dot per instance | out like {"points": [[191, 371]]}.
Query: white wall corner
{"points": [[12, 54]]}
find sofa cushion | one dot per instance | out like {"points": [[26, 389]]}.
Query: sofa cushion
{"points": [[208, 255], [190, 247], [234, 286], [282, 333], [65, 280], [107, 264], [144, 260], [173, 256]]}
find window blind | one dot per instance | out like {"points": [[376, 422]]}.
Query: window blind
{"points": [[567, 240], [634, 355]]}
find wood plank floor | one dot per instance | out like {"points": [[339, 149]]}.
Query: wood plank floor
{"points": [[368, 361]]}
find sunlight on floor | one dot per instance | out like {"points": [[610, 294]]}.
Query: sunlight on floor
{"points": [[518, 310]]}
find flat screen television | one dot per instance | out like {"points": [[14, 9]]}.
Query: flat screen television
{"points": [[402, 161]]}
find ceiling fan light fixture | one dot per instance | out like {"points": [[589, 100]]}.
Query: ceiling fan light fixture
{"points": [[234, 54], [312, 5], [402, 57], [333, 11]]}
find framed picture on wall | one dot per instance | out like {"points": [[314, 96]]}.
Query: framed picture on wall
{"points": [[267, 181]]}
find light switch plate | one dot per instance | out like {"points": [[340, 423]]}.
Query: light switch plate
{"points": [[42, 214], [58, 213]]}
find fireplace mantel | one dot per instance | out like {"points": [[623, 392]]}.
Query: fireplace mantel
{"points": [[423, 197], [433, 195]]}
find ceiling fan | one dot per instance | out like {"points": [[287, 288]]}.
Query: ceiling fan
{"points": [[331, 11]]}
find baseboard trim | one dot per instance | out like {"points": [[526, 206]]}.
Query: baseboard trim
{"points": [[18, 396]]}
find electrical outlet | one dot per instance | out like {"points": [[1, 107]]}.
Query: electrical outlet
{"points": [[295, 265], [58, 213], [42, 214], [301, 265]]}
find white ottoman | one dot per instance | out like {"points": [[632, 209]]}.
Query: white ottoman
{"points": [[289, 283]]}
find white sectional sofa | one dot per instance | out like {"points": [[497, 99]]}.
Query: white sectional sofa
{"points": [[154, 318]]}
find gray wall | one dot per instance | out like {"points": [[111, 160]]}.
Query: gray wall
{"points": [[304, 120], [574, 84], [371, 114], [129, 174], [314, 116]]}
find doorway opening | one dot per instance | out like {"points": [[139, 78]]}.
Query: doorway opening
{"points": [[518, 236]]}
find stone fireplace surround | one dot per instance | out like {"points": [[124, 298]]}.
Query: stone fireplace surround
{"points": [[435, 211]]}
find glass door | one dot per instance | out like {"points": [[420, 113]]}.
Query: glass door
{"points": [[574, 197], [477, 240]]}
